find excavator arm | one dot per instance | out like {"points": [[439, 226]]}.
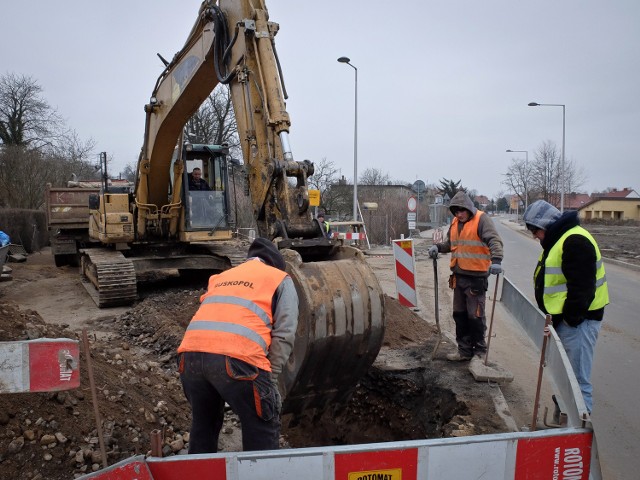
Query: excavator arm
{"points": [[231, 43], [341, 321]]}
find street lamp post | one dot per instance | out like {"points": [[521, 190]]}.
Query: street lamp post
{"points": [[562, 176], [355, 141], [526, 173]]}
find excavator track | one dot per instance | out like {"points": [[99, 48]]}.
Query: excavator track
{"points": [[112, 277]]}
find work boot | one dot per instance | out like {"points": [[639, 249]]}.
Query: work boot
{"points": [[458, 357]]}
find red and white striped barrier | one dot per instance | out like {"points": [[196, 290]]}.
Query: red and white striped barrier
{"points": [[349, 236], [558, 453], [42, 365], [405, 272]]}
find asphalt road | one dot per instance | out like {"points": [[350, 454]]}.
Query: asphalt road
{"points": [[617, 358]]}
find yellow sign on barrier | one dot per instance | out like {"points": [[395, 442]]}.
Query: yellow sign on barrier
{"points": [[314, 198]]}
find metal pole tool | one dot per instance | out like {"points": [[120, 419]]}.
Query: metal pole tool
{"points": [[435, 288], [493, 309], [543, 353]]}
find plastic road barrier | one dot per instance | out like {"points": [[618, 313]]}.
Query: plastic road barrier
{"points": [[42, 365], [558, 453], [405, 272]]}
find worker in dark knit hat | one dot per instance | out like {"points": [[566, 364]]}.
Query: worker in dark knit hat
{"points": [[266, 251], [236, 345], [570, 284]]}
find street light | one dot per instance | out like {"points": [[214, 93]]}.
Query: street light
{"points": [[526, 173], [535, 104], [355, 142]]}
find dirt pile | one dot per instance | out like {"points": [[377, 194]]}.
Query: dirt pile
{"points": [[54, 435]]}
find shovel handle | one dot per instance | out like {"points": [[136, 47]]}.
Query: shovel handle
{"points": [[435, 288], [493, 309], [543, 352]]}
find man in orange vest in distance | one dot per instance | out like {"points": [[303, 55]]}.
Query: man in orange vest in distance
{"points": [[234, 348], [476, 251]]}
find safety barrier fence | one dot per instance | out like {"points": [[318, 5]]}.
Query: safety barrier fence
{"points": [[558, 368], [557, 454]]}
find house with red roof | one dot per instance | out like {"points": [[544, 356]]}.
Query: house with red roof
{"points": [[614, 205]]}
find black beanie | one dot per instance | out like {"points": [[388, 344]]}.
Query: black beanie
{"points": [[267, 251]]}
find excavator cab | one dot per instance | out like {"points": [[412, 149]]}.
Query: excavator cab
{"points": [[206, 194]]}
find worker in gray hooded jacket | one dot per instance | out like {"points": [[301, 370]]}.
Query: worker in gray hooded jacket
{"points": [[476, 251]]}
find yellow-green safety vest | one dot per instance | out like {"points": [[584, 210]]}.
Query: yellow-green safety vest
{"points": [[555, 283]]}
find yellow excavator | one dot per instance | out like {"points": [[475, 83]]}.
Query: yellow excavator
{"points": [[164, 223]]}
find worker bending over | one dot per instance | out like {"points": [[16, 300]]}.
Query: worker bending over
{"points": [[234, 348]]}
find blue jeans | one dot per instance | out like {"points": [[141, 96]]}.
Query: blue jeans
{"points": [[579, 343], [209, 380]]}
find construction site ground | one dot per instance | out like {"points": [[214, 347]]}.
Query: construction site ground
{"points": [[406, 395]]}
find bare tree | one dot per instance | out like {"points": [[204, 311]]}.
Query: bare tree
{"points": [[324, 175], [545, 174], [215, 121], [129, 172], [542, 178], [374, 176], [23, 175], [36, 148], [517, 180], [574, 177], [26, 119]]}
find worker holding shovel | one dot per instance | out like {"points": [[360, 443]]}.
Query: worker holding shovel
{"points": [[476, 252]]}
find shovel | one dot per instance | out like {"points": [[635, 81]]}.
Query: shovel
{"points": [[435, 287]]}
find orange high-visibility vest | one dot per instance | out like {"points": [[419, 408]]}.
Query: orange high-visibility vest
{"points": [[468, 251], [235, 317]]}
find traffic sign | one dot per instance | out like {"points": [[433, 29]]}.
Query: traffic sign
{"points": [[418, 186], [411, 216], [412, 204]]}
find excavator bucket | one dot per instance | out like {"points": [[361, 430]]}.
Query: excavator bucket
{"points": [[340, 329]]}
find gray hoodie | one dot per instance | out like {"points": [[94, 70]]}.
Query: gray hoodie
{"points": [[541, 214], [486, 231]]}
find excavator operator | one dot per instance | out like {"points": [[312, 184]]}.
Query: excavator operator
{"points": [[196, 182], [234, 348]]}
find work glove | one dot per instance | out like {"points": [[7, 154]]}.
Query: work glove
{"points": [[433, 251], [274, 382], [495, 269]]}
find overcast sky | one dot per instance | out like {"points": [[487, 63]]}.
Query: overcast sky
{"points": [[443, 86]]}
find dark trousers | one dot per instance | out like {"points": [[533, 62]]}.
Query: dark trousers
{"points": [[469, 297], [209, 380]]}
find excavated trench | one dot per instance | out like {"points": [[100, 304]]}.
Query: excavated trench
{"points": [[386, 406], [405, 395]]}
